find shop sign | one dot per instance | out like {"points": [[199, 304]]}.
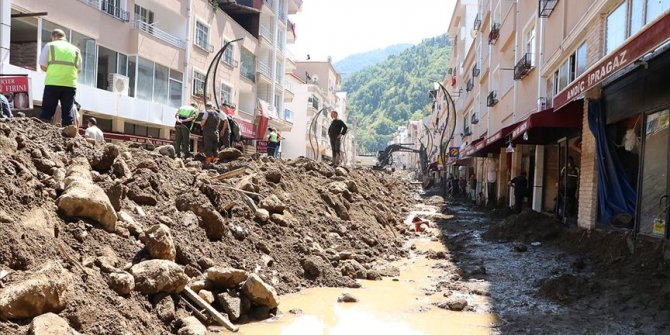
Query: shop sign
{"points": [[520, 129], [659, 227], [261, 146], [246, 128], [646, 41], [453, 152], [137, 139], [17, 91]]}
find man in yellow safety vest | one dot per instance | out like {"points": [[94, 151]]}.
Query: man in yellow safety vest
{"points": [[185, 116], [61, 61]]}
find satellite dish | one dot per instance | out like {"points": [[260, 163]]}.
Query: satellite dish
{"points": [[315, 78]]}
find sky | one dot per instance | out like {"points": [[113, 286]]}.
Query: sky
{"points": [[339, 28]]}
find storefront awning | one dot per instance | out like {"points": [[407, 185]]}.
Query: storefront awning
{"points": [[494, 142], [472, 147], [546, 126], [246, 128]]}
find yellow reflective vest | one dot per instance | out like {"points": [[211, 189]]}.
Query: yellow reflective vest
{"points": [[63, 64]]}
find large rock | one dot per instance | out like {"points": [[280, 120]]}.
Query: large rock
{"points": [[248, 183], [273, 176], [121, 169], [51, 324], [259, 292], [313, 266], [232, 305], [42, 292], [82, 198], [210, 220], [337, 187], [351, 268], [159, 243], [225, 277], [229, 154], [166, 150], [191, 326], [454, 304], [158, 275], [273, 204], [121, 282], [105, 162]]}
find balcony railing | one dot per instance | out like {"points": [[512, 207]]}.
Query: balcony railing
{"points": [[546, 7], [494, 34], [264, 69], [478, 22], [204, 46], [523, 66], [248, 71], [470, 85], [159, 34], [266, 33], [492, 99], [475, 70], [109, 8]]}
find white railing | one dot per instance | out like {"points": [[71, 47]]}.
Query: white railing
{"points": [[109, 9], [161, 35], [266, 33], [264, 69]]}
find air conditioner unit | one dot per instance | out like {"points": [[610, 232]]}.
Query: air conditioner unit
{"points": [[118, 83], [315, 79]]}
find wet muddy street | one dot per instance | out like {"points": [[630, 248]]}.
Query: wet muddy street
{"points": [[451, 263]]}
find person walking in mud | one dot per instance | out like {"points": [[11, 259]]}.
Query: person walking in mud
{"points": [[520, 184], [336, 130], [185, 116]]}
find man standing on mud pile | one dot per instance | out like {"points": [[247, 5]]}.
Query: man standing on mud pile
{"points": [[185, 116], [335, 132], [210, 132], [61, 61], [520, 184]]}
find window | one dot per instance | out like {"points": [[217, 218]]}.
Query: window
{"points": [[145, 79], [580, 56], [228, 55], [132, 75], [226, 93], [88, 47], [140, 130], [564, 75], [198, 83], [656, 8], [202, 36], [616, 28], [636, 15], [161, 82], [122, 64], [106, 65], [248, 67], [176, 86], [144, 15], [288, 115], [530, 44]]}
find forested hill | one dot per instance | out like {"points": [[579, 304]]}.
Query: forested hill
{"points": [[388, 94], [357, 62]]}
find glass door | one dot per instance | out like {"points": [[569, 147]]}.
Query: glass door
{"points": [[653, 210]]}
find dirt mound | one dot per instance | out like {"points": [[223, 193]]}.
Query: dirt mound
{"points": [[261, 216], [527, 226], [567, 288]]}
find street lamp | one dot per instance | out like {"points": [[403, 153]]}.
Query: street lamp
{"points": [[451, 109], [215, 63]]}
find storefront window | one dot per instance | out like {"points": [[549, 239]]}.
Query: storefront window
{"points": [[616, 28], [636, 15], [23, 49], [176, 86], [564, 75], [106, 65], [580, 56], [87, 46], [145, 79], [161, 75]]}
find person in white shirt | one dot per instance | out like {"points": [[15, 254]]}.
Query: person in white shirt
{"points": [[93, 133]]}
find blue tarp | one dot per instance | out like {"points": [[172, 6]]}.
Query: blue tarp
{"points": [[616, 194]]}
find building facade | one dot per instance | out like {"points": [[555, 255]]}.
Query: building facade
{"points": [[574, 94], [142, 59]]}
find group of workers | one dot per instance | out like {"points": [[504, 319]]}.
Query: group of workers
{"points": [[219, 130]]}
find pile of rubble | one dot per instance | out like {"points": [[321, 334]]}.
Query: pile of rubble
{"points": [[107, 239]]}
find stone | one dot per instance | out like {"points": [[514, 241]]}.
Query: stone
{"points": [[116, 192], [374, 275], [120, 169], [191, 326], [232, 305], [121, 282], [143, 197], [166, 220], [226, 278], [352, 186], [337, 187], [263, 215], [192, 271], [455, 304], [207, 296], [388, 270], [41, 292], [69, 131], [106, 161], [259, 292], [229, 154], [135, 228], [347, 297], [82, 198], [283, 220], [205, 263], [50, 324], [167, 150], [519, 247], [261, 313], [312, 266], [164, 306], [158, 275], [352, 269], [210, 220], [159, 242], [273, 204], [44, 165], [149, 164], [340, 171], [273, 176], [247, 183]]}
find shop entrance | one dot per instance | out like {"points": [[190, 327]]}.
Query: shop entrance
{"points": [[569, 158], [653, 202]]}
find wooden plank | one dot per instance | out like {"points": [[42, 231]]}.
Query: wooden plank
{"points": [[216, 316], [231, 174]]}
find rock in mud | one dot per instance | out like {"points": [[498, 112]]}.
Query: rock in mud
{"points": [[352, 269], [206, 295], [259, 292], [69, 131], [273, 176], [121, 282], [164, 306], [159, 243], [158, 275], [50, 324], [42, 292], [263, 215], [520, 247], [313, 266], [135, 228], [374, 275], [388, 270], [166, 150], [106, 160], [121, 169], [456, 304], [225, 277], [273, 204], [232, 305], [284, 220], [148, 164], [248, 183], [347, 297], [82, 198], [210, 220], [192, 326], [229, 154]]}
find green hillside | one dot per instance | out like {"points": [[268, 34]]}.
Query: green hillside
{"points": [[387, 95]]}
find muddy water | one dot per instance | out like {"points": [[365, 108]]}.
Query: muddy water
{"points": [[385, 307]]}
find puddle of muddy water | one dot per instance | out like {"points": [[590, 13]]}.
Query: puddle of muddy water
{"points": [[385, 307]]}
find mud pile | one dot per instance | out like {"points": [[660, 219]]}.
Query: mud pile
{"points": [[107, 236], [527, 226]]}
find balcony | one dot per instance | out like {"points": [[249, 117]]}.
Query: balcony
{"points": [[492, 99], [470, 85], [523, 66], [475, 70], [478, 22], [159, 34], [264, 69], [109, 8], [546, 7], [266, 33], [494, 34], [270, 4]]}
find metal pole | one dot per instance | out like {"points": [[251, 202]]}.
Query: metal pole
{"points": [[216, 60], [312, 127], [451, 107]]}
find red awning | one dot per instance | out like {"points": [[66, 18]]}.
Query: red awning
{"points": [[494, 142], [547, 126], [471, 148], [433, 166], [246, 128]]}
